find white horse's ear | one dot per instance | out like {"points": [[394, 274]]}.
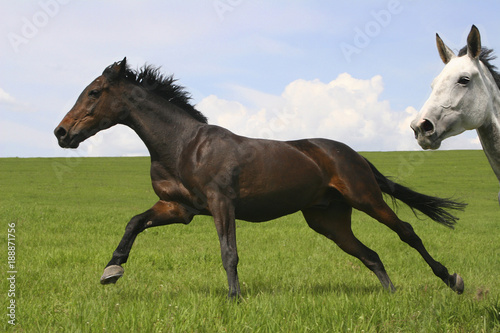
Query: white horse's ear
{"points": [[474, 43], [445, 52]]}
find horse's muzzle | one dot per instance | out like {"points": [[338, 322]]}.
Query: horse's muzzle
{"points": [[425, 133], [423, 127], [64, 139]]}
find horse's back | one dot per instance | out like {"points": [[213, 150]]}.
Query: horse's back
{"points": [[348, 173], [284, 177]]}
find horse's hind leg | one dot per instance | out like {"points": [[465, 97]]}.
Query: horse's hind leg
{"points": [[161, 213], [361, 191], [334, 222], [384, 214]]}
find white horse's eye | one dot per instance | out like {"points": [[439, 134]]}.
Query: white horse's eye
{"points": [[464, 80]]}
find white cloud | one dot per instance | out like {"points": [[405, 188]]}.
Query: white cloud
{"points": [[116, 141], [346, 109], [5, 97]]}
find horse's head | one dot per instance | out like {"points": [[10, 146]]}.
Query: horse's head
{"points": [[96, 108], [459, 100]]}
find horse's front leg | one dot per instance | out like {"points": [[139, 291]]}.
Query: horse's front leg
{"points": [[161, 213], [222, 210]]}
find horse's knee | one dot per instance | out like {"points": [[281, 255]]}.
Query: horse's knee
{"points": [[137, 223], [133, 224]]}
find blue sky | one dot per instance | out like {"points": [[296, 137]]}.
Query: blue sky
{"points": [[355, 71]]}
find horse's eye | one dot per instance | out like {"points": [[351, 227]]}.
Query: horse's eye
{"points": [[94, 93], [464, 80]]}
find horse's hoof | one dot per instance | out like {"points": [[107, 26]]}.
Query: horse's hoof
{"points": [[459, 284], [111, 274]]}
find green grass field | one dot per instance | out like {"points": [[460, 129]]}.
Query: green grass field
{"points": [[70, 214]]}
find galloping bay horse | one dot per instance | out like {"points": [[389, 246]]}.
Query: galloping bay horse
{"points": [[198, 168]]}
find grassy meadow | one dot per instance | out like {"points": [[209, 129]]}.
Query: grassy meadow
{"points": [[70, 214]]}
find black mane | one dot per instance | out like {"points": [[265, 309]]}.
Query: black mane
{"points": [[486, 56], [153, 80]]}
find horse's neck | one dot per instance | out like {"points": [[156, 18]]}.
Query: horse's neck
{"points": [[489, 134], [163, 131]]}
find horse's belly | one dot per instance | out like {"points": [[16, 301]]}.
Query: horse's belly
{"points": [[258, 211], [278, 202]]}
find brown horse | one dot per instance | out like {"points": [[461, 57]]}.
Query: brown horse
{"points": [[198, 168]]}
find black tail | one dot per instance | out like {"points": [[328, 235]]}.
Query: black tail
{"points": [[433, 207]]}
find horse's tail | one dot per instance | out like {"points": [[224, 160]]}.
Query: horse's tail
{"points": [[434, 207]]}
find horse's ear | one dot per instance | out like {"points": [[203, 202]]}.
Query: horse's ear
{"points": [[115, 71], [474, 43], [445, 52]]}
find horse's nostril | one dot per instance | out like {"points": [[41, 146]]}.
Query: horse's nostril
{"points": [[60, 132], [427, 126]]}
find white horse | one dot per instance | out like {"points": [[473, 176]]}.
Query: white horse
{"points": [[465, 96]]}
